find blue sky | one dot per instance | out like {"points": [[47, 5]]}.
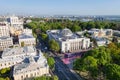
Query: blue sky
{"points": [[67, 7]]}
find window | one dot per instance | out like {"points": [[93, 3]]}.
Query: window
{"points": [[26, 76], [21, 77], [35, 74], [31, 75]]}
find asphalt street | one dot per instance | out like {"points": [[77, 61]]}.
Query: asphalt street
{"points": [[61, 70]]}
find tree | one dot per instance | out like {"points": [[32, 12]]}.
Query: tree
{"points": [[53, 45], [90, 62], [22, 44], [112, 71], [2, 79], [7, 78], [103, 57], [115, 40], [55, 78], [75, 28], [4, 70], [90, 25], [44, 36], [51, 62]]}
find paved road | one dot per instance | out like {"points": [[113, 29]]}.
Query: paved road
{"points": [[61, 69], [63, 72]]}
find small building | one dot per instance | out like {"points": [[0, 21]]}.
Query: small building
{"points": [[102, 41], [5, 42], [101, 32], [27, 39]]}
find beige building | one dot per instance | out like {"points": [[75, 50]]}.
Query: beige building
{"points": [[12, 56], [4, 29], [5, 42], [15, 22], [27, 61], [26, 39], [101, 32], [32, 68]]}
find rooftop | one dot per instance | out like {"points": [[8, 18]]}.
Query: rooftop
{"points": [[63, 35], [5, 37], [25, 36], [31, 63], [10, 52]]}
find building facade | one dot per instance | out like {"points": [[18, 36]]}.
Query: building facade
{"points": [[4, 29], [12, 56], [101, 32], [26, 39], [15, 22], [68, 41], [27, 61], [31, 68], [5, 42]]}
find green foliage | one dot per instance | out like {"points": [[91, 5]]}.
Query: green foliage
{"points": [[51, 62], [75, 28], [22, 44], [5, 74], [7, 78], [44, 36], [46, 78], [100, 62], [89, 62], [55, 78], [112, 71], [42, 78], [5, 70], [41, 27], [53, 45], [2, 79]]}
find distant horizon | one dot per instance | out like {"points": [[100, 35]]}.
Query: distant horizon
{"points": [[18, 14], [61, 7]]}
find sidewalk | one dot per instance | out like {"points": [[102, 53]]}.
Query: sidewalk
{"points": [[78, 76]]}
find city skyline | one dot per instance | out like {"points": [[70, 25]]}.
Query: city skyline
{"points": [[62, 7]]}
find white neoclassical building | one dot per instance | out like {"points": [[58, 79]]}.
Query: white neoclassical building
{"points": [[31, 67], [27, 61], [68, 41], [12, 56]]}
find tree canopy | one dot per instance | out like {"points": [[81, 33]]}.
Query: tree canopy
{"points": [[46, 78], [102, 61], [51, 62], [53, 45]]}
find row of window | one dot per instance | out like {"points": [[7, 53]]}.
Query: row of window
{"points": [[7, 43], [8, 64], [31, 75], [76, 46]]}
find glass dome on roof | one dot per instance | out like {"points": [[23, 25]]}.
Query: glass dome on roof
{"points": [[66, 32]]}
